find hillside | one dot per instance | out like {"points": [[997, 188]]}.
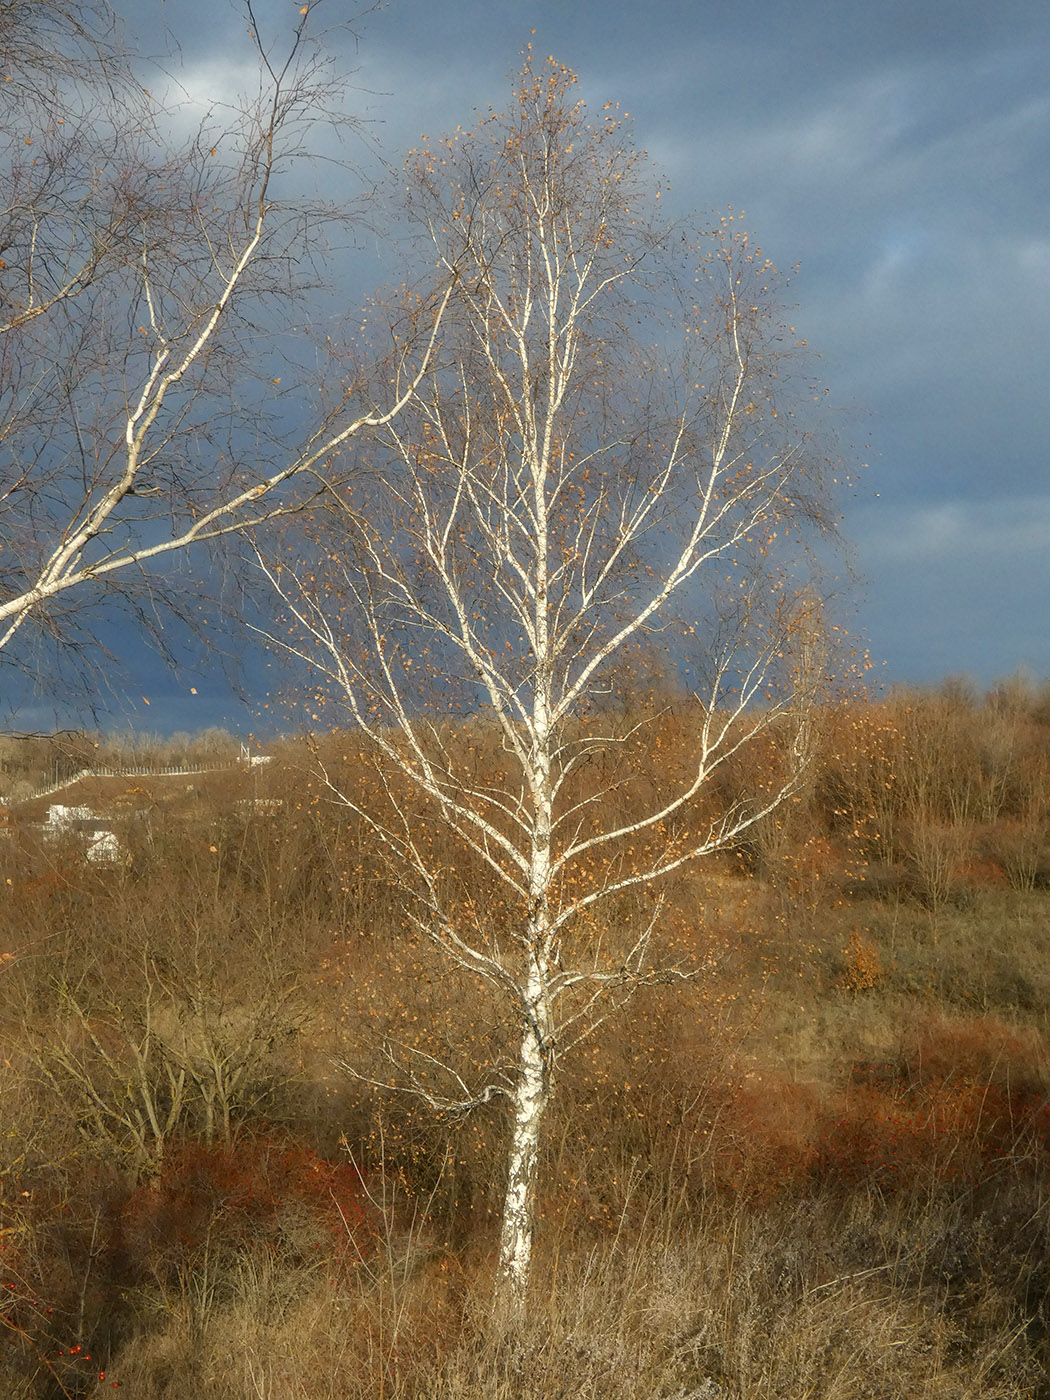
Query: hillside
{"points": [[818, 1165]]}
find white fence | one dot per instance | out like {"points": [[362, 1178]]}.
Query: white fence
{"points": [[170, 771]]}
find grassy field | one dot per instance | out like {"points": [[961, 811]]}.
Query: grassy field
{"points": [[820, 1167]]}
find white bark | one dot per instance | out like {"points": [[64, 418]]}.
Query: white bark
{"points": [[518, 1221], [116, 448]]}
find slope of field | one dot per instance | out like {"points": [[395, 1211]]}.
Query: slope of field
{"points": [[820, 1166]]}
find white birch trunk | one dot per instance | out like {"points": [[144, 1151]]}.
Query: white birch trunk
{"points": [[531, 1097], [534, 1086], [533, 1089]]}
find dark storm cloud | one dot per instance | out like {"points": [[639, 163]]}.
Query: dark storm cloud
{"points": [[898, 153]]}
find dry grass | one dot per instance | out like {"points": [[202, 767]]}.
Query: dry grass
{"points": [[820, 1171], [733, 1305]]}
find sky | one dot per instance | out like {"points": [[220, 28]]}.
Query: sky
{"points": [[896, 153]]}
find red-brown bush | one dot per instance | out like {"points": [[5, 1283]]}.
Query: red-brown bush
{"points": [[219, 1201]]}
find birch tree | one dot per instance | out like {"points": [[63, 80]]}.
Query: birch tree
{"points": [[155, 252], [601, 464]]}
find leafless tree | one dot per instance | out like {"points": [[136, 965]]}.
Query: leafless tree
{"points": [[602, 463], [154, 256], [167, 1052]]}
